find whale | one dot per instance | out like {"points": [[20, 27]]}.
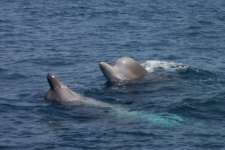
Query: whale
{"points": [[60, 93], [125, 69]]}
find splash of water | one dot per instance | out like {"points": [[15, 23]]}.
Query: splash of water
{"points": [[152, 65]]}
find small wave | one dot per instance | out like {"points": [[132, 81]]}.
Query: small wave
{"points": [[3, 70], [14, 76], [8, 75], [52, 62], [152, 65], [195, 73], [209, 108]]}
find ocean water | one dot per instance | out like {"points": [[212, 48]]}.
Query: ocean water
{"points": [[180, 43]]}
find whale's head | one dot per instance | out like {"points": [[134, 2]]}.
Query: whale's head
{"points": [[58, 91], [54, 83], [112, 73]]}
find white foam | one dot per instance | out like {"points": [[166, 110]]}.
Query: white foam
{"points": [[152, 65]]}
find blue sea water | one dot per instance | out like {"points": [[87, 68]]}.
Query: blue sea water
{"points": [[180, 42]]}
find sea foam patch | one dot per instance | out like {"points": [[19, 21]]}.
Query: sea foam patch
{"points": [[152, 65]]}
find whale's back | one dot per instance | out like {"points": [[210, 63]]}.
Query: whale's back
{"points": [[130, 68]]}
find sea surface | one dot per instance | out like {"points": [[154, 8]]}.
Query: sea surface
{"points": [[180, 42]]}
